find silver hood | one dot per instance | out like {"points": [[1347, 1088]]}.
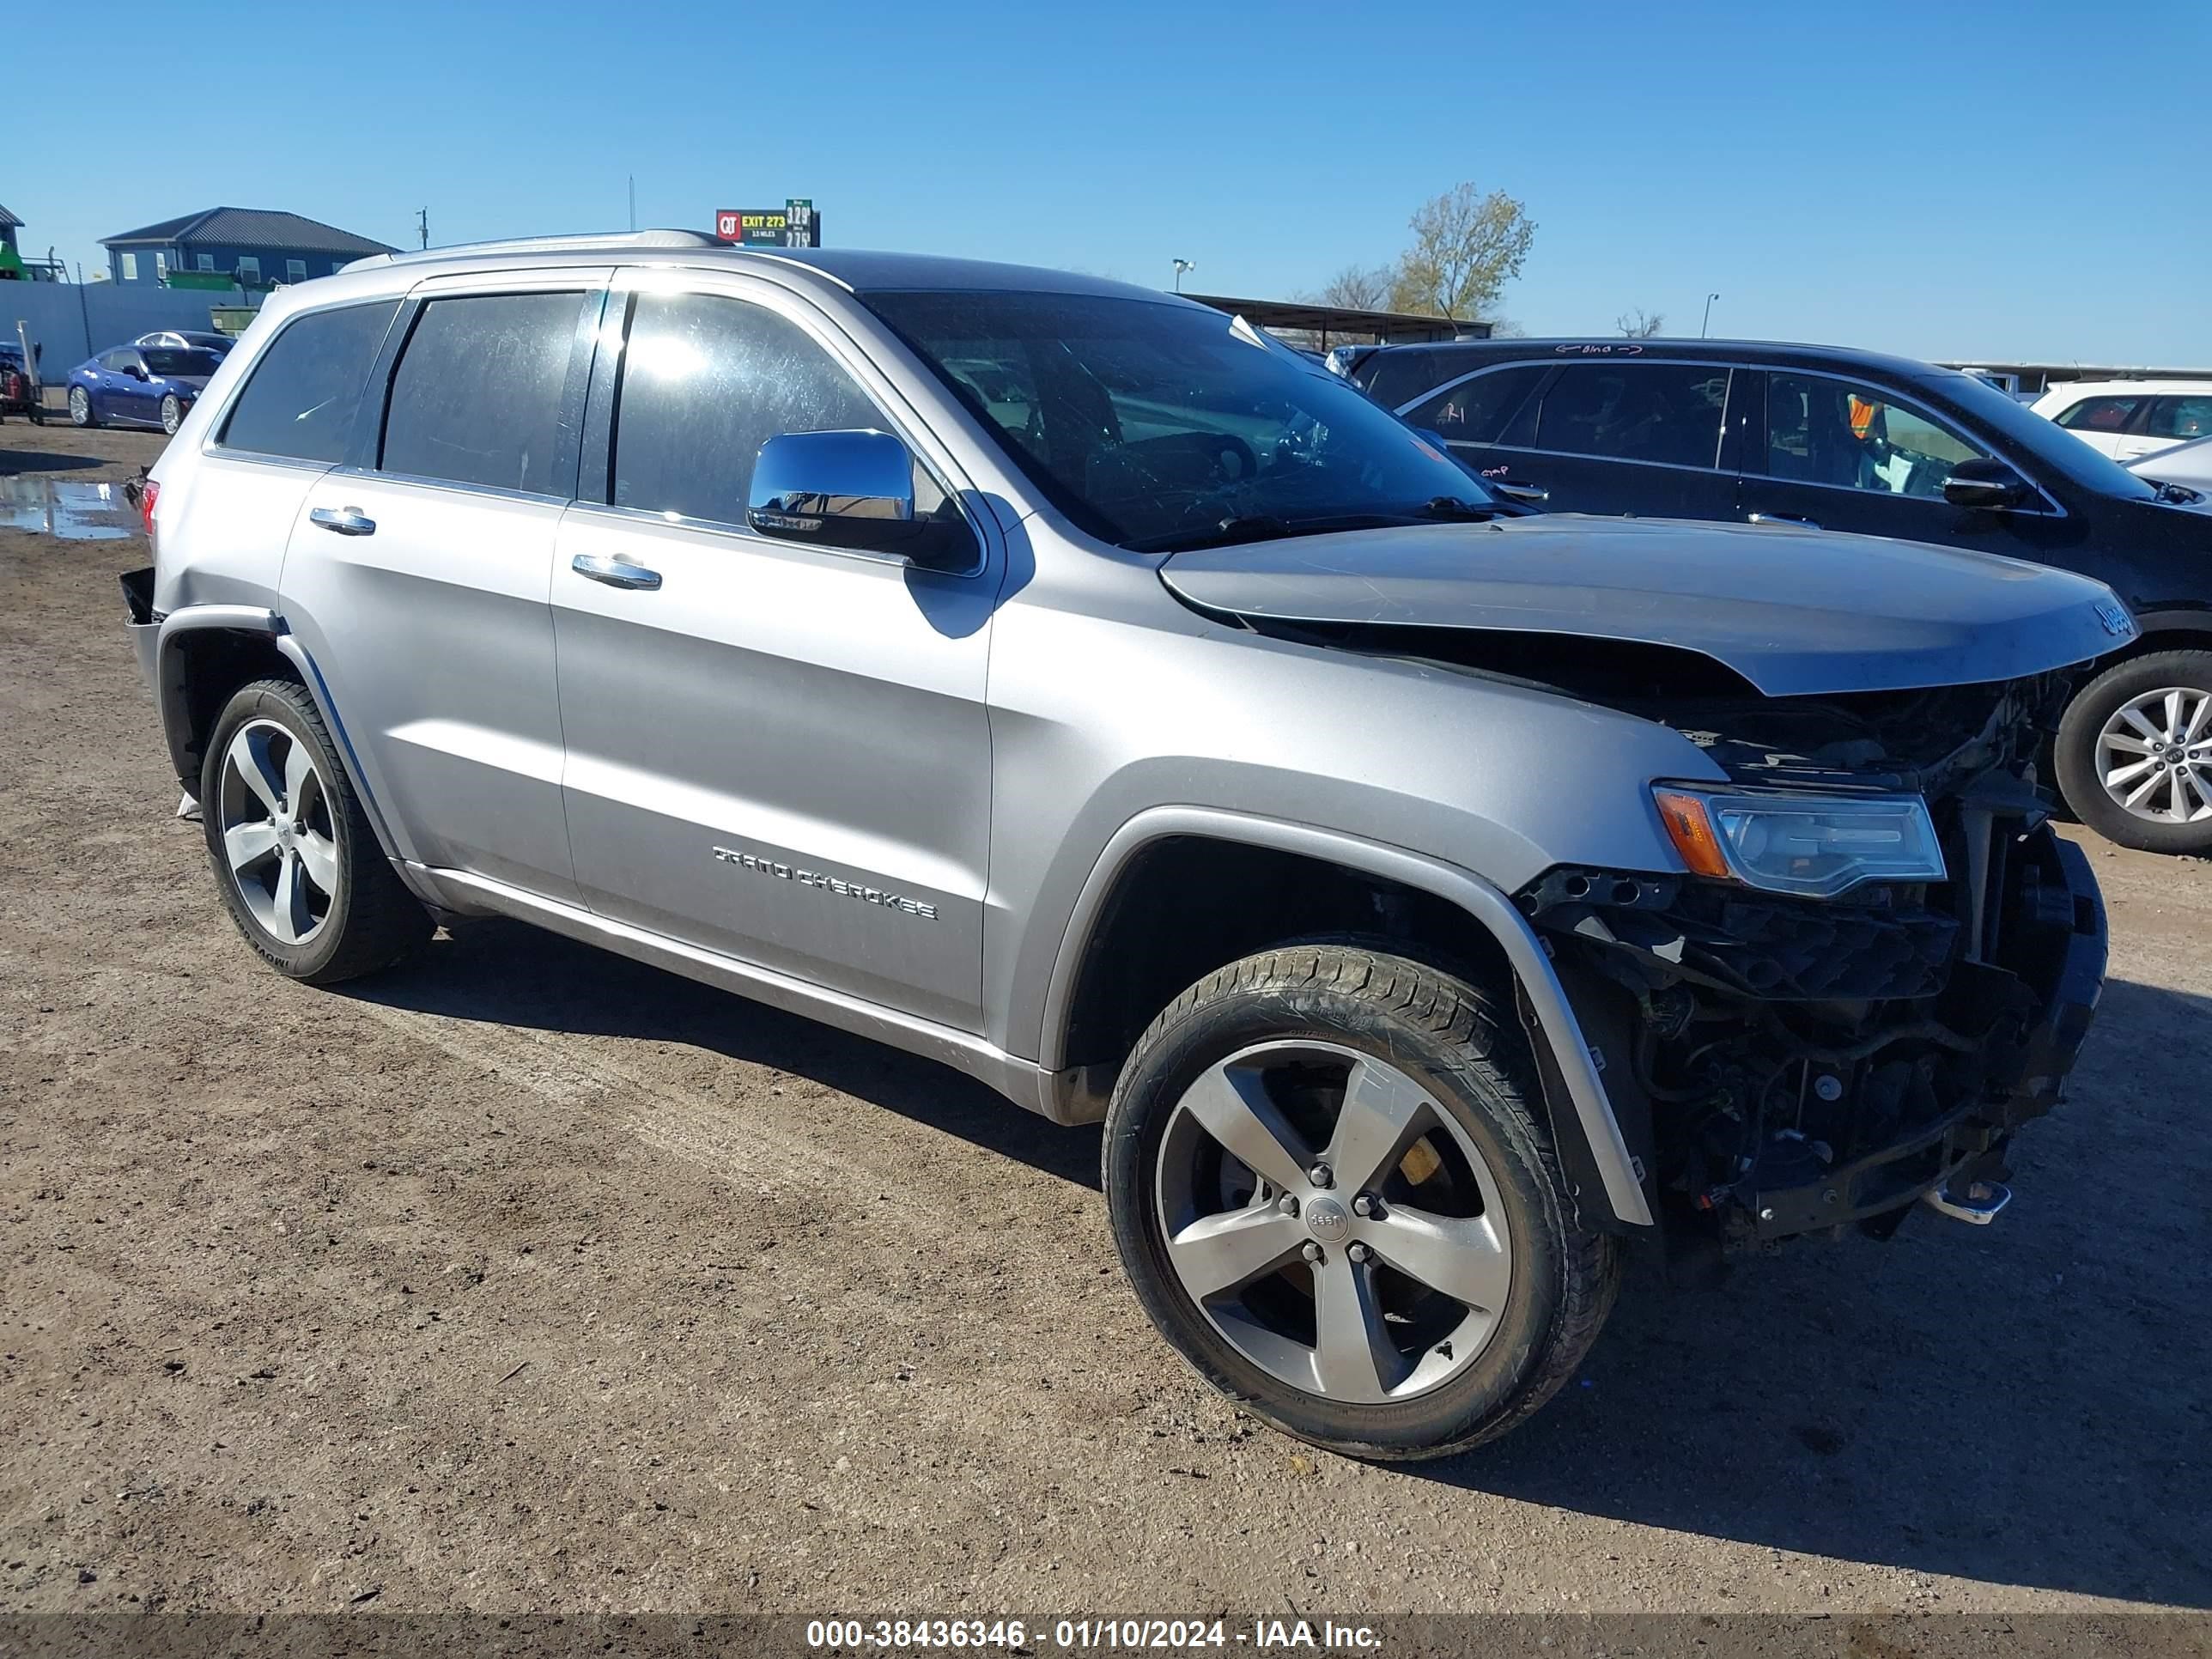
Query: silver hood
{"points": [[1797, 612]]}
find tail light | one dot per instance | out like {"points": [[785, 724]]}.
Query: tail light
{"points": [[148, 493]]}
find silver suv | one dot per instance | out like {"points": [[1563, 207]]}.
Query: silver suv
{"points": [[1067, 682]]}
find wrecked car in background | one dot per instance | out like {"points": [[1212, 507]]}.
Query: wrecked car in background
{"points": [[1067, 682]]}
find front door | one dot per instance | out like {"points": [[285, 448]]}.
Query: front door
{"points": [[1850, 455], [777, 752]]}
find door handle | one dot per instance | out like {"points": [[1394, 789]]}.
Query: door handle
{"points": [[1790, 518], [615, 572], [344, 520]]}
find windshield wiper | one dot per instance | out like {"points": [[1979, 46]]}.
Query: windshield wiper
{"points": [[1455, 507]]}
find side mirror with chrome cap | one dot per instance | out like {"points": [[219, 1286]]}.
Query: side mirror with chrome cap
{"points": [[1984, 484], [854, 490]]}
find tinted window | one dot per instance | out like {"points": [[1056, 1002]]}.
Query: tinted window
{"points": [[478, 396], [1845, 433], [706, 382], [2098, 413], [1667, 412], [2179, 417], [118, 360], [176, 360], [302, 394], [1479, 411]]}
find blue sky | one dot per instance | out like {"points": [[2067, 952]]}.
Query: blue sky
{"points": [[1983, 180]]}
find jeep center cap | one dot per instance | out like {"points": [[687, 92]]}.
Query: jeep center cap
{"points": [[1327, 1219]]}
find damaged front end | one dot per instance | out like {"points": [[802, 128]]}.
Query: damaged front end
{"points": [[1801, 1043]]}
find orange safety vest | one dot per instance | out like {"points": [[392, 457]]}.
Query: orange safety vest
{"points": [[1863, 409]]}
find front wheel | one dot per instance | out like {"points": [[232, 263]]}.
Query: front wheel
{"points": [[1332, 1185], [80, 407], [172, 413], [2135, 753]]}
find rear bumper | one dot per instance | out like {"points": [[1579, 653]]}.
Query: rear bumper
{"points": [[2057, 947]]}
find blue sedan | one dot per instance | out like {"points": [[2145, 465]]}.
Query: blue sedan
{"points": [[139, 386]]}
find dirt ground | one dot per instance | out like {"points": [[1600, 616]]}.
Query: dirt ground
{"points": [[528, 1279]]}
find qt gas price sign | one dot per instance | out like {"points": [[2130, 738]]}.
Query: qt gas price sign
{"points": [[795, 224]]}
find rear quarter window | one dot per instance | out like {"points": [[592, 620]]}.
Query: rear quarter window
{"points": [[301, 398]]}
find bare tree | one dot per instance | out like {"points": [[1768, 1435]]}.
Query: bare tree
{"points": [[1639, 325], [1357, 288], [1466, 246]]}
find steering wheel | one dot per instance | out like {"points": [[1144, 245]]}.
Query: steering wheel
{"points": [[1235, 462]]}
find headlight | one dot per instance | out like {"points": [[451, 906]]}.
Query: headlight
{"points": [[1818, 846]]}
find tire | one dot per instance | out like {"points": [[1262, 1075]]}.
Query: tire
{"points": [[1445, 1062], [295, 856], [80, 408], [2151, 711], [173, 413]]}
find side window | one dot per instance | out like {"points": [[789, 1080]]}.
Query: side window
{"points": [[2098, 413], [706, 381], [1825, 431], [478, 397], [2179, 417], [1662, 412], [1480, 409], [300, 398]]}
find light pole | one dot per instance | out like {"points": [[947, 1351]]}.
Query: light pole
{"points": [[1181, 265], [1710, 298]]}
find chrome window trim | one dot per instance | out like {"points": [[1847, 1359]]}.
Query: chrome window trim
{"points": [[645, 517], [418, 480], [799, 309], [2052, 507]]}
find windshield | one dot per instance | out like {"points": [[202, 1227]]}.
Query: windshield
{"points": [[2044, 440], [168, 360], [1154, 425]]}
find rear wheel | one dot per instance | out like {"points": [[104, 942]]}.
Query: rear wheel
{"points": [[2135, 752], [1333, 1188], [294, 855], [172, 413], [80, 407]]}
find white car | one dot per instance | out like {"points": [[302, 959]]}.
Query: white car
{"points": [[2188, 465], [2127, 419]]}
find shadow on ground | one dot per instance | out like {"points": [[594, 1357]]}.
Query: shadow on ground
{"points": [[2026, 1403], [509, 973], [43, 460]]}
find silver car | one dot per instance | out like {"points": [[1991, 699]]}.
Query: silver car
{"points": [[1437, 899]]}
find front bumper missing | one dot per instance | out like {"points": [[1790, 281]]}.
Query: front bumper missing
{"points": [[2059, 951], [144, 626]]}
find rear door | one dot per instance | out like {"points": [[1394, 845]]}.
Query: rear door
{"points": [[1624, 436], [423, 568], [775, 751], [2105, 421]]}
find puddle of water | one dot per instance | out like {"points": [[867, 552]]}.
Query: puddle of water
{"points": [[74, 512]]}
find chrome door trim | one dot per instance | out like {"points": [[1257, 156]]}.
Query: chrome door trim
{"points": [[1021, 1081]]}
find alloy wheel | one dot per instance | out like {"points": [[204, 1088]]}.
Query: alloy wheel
{"points": [[2154, 755], [172, 414], [1335, 1223], [279, 841], [80, 405]]}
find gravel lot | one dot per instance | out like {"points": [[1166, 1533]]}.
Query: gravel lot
{"points": [[529, 1279]]}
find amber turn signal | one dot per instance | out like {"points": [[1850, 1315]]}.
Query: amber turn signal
{"points": [[1689, 827]]}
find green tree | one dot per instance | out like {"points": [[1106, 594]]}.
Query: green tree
{"points": [[1466, 246]]}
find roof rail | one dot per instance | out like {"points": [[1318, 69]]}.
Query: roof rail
{"points": [[611, 239]]}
